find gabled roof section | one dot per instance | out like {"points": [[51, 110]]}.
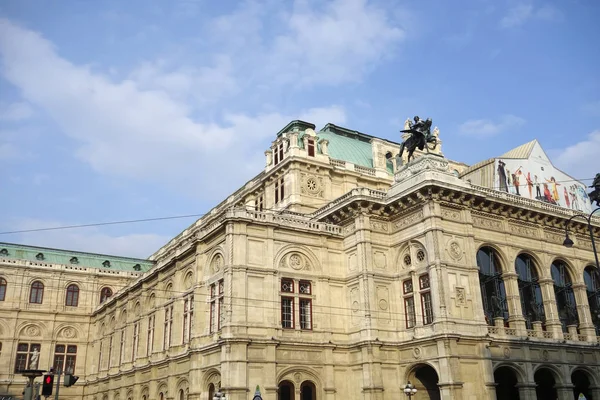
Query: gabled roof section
{"points": [[69, 257], [523, 151], [296, 126]]}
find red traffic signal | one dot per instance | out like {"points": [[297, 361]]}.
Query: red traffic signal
{"points": [[47, 385]]}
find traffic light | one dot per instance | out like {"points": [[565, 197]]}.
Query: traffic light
{"points": [[70, 379], [47, 385]]}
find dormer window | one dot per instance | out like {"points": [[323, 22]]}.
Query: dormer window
{"points": [[4, 252], [106, 264], [74, 260], [311, 147], [137, 267], [39, 256]]}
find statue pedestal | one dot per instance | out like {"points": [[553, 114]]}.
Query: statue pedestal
{"points": [[424, 170]]}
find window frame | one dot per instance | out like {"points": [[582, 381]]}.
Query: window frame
{"points": [[292, 321], [65, 356], [27, 354], [38, 286], [3, 288], [103, 297], [72, 295], [217, 305]]}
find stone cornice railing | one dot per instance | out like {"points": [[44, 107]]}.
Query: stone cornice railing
{"points": [[69, 268]]}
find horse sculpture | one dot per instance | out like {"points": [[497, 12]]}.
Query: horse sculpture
{"points": [[420, 137], [595, 194]]}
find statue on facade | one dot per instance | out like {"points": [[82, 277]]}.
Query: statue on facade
{"points": [[595, 194], [420, 136], [33, 361]]}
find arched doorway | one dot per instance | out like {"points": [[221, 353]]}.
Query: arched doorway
{"points": [[285, 391], [581, 383], [545, 384], [308, 391], [506, 384], [425, 380]]}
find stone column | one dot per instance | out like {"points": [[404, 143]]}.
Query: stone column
{"points": [[565, 392], [527, 391], [586, 327], [515, 311], [552, 322]]}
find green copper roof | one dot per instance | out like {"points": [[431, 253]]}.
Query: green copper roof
{"points": [[69, 257]]}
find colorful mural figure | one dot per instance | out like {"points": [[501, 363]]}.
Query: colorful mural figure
{"points": [[521, 176]]}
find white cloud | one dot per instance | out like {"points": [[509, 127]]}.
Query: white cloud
{"points": [[15, 111], [337, 44], [486, 127], [84, 239], [523, 12], [89, 239], [579, 158], [138, 127]]}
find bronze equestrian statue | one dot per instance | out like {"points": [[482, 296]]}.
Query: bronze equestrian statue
{"points": [[595, 194], [420, 137]]}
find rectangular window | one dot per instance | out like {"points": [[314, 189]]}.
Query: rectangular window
{"points": [[424, 282], [258, 203], [150, 341], [409, 309], [279, 190], [287, 285], [305, 287], [427, 308], [407, 286], [110, 344], [24, 353], [100, 355], [121, 346], [188, 310], [305, 314], [64, 358], [136, 340], [278, 153], [311, 147], [168, 327], [217, 306], [287, 312]]}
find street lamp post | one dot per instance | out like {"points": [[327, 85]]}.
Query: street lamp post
{"points": [[410, 390], [569, 243]]}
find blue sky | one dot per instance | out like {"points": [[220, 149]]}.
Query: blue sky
{"points": [[124, 110]]}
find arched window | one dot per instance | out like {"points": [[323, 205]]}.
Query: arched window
{"points": [[211, 391], [591, 277], [181, 394], [2, 289], [532, 303], [72, 299], [493, 293], [105, 294], [563, 292], [37, 292]]}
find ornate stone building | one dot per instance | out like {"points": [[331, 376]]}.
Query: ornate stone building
{"points": [[338, 272]]}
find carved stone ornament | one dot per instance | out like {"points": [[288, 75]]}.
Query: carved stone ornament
{"points": [[487, 223], [408, 220], [189, 281], [545, 355], [434, 163], [68, 333], [32, 330], [461, 298], [448, 213], [506, 352], [312, 185], [383, 304], [380, 226], [217, 263], [298, 377], [295, 261], [417, 352], [454, 250], [380, 260]]}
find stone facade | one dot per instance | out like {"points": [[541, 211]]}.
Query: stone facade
{"points": [[326, 279]]}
